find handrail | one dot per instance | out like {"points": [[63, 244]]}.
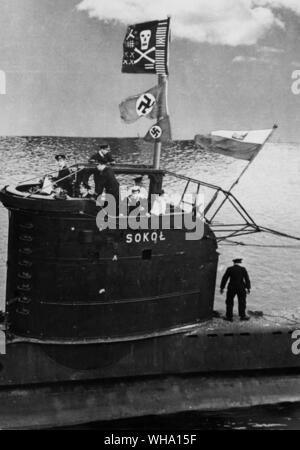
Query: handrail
{"points": [[132, 168], [194, 180]]}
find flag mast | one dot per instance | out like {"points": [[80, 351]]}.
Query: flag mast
{"points": [[162, 103], [162, 106]]}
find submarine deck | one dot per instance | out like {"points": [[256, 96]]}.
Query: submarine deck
{"points": [[271, 322], [279, 321]]}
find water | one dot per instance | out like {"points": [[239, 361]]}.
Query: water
{"points": [[270, 191], [281, 417]]}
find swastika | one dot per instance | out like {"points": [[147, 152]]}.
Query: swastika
{"points": [[145, 104], [155, 132]]}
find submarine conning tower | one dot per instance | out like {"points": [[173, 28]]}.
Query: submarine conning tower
{"points": [[69, 281]]}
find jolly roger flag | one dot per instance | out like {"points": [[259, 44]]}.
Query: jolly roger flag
{"points": [[145, 48], [142, 105], [161, 131]]}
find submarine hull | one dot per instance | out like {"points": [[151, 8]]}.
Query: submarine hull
{"points": [[75, 404], [212, 366]]}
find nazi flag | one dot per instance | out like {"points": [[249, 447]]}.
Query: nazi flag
{"points": [[161, 131], [141, 105]]}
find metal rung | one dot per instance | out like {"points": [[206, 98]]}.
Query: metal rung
{"points": [[24, 276], [26, 238], [27, 226], [24, 287], [25, 263], [188, 203], [23, 299], [25, 251], [23, 311]]}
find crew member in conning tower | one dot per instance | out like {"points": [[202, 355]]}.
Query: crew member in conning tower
{"points": [[105, 179], [240, 285], [103, 155], [63, 179]]}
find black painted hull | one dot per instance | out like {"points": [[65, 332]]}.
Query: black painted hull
{"points": [[44, 385], [68, 280], [213, 366], [55, 406], [208, 348]]}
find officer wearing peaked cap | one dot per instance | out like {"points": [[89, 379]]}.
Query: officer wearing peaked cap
{"points": [[103, 155], [240, 285]]}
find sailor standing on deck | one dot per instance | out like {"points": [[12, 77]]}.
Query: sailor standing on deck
{"points": [[240, 285]]}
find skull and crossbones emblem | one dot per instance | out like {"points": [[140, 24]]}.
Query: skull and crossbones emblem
{"points": [[145, 51]]}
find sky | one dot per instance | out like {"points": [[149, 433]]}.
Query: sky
{"points": [[231, 66]]}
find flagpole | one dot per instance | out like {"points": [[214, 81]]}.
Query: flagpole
{"points": [[162, 106], [163, 84], [157, 154], [243, 172]]}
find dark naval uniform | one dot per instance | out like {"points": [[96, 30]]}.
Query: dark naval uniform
{"points": [[103, 158], [64, 180], [239, 282], [66, 183], [107, 180]]}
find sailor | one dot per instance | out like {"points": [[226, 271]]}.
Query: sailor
{"points": [[136, 202], [240, 285], [138, 183], [103, 155], [84, 190], [106, 179], [160, 203], [63, 179]]}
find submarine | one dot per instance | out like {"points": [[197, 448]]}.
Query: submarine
{"points": [[108, 323]]}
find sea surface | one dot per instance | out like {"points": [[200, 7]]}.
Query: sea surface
{"points": [[270, 192]]}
